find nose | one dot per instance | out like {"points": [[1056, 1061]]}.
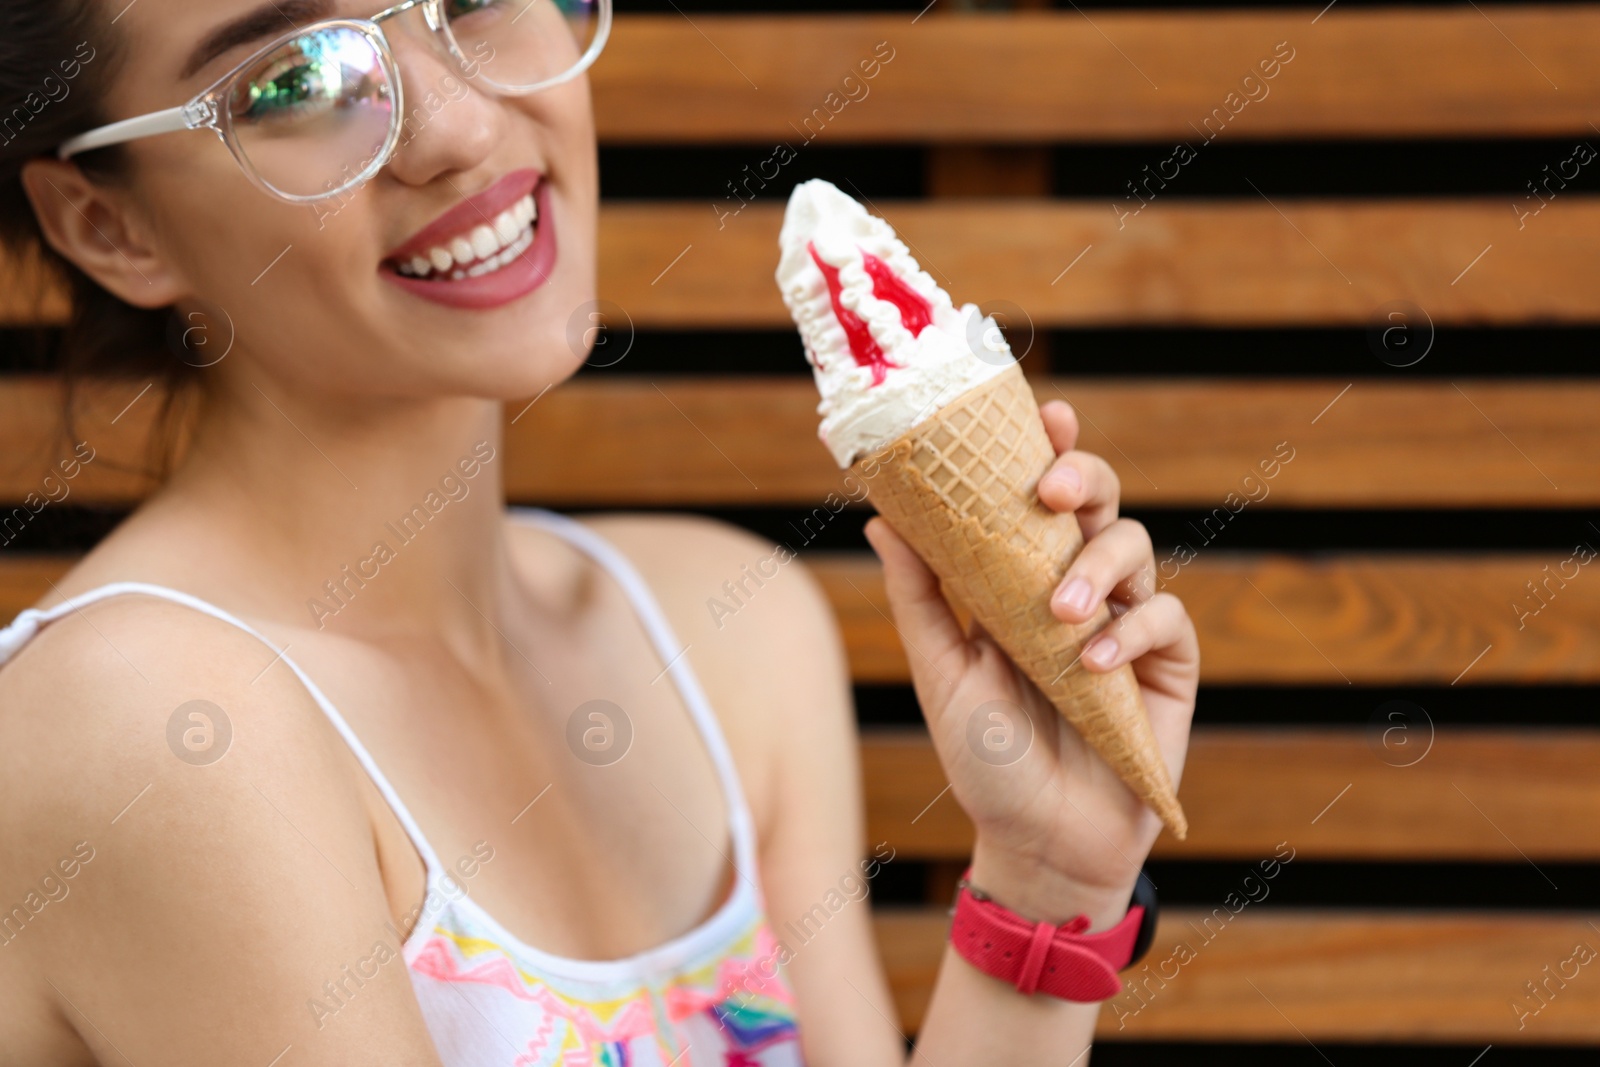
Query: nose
{"points": [[451, 123]]}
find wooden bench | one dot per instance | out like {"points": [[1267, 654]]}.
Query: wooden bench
{"points": [[991, 230]]}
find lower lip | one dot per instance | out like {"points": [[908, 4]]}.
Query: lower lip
{"points": [[511, 282]]}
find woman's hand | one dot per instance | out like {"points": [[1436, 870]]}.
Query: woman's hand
{"points": [[1057, 831]]}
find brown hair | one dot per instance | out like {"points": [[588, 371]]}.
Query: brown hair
{"points": [[57, 62]]}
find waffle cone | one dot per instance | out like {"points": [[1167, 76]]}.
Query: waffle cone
{"points": [[962, 489]]}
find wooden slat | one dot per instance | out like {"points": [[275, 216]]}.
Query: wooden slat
{"points": [[1465, 794], [731, 441], [1398, 444], [1127, 75], [27, 295], [1179, 262], [33, 442], [1347, 619], [1292, 975], [1243, 262], [1490, 795], [25, 579]]}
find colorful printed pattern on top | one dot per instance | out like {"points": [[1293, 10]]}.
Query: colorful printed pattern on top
{"points": [[712, 997], [726, 1005]]}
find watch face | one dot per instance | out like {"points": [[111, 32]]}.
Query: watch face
{"points": [[1144, 894]]}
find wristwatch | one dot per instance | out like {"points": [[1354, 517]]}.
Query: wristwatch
{"points": [[1041, 957]]}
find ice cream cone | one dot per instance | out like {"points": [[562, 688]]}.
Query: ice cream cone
{"points": [[962, 488]]}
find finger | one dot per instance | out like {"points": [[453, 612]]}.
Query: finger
{"points": [[1060, 423], [935, 643], [1084, 483], [1160, 625], [1119, 560], [1158, 639]]}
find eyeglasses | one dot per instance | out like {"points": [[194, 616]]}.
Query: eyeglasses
{"points": [[320, 110]]}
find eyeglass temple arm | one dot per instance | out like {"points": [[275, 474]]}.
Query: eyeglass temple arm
{"points": [[173, 118]]}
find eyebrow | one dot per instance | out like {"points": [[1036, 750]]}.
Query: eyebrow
{"points": [[268, 20]]}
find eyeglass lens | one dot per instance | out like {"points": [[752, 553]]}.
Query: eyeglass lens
{"points": [[522, 43], [311, 116]]}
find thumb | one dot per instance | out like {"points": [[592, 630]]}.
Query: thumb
{"points": [[935, 644]]}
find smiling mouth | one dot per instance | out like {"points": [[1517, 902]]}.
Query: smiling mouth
{"points": [[484, 249]]}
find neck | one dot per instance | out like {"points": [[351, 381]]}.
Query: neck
{"points": [[358, 517]]}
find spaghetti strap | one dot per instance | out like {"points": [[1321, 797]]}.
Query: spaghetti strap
{"points": [[674, 655], [28, 623]]}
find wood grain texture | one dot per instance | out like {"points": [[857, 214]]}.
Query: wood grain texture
{"points": [[733, 441], [1128, 75], [114, 420], [1425, 620], [1244, 261], [1330, 620], [1235, 262], [1320, 975], [1385, 793], [1397, 444], [1396, 790]]}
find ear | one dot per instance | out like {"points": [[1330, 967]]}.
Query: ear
{"points": [[93, 227]]}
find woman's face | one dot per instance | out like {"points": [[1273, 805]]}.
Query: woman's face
{"points": [[324, 298]]}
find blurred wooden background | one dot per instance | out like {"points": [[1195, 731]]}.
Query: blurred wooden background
{"points": [[1378, 252]]}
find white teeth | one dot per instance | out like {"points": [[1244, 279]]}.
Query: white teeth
{"points": [[484, 242], [510, 252], [484, 249], [506, 227]]}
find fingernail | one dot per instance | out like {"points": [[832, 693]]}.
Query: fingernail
{"points": [[1068, 478], [1076, 595], [866, 534], [1102, 651]]}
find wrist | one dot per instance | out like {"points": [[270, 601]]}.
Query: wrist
{"points": [[1042, 892]]}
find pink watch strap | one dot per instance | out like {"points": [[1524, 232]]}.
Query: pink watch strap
{"points": [[1061, 961]]}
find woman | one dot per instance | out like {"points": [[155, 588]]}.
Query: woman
{"points": [[316, 758]]}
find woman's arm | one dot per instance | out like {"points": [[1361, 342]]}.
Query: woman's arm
{"points": [[1057, 833], [223, 913]]}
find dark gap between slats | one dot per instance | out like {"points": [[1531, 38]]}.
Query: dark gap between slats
{"points": [[1519, 353], [59, 528], [912, 7], [1350, 352], [1366, 168], [1354, 707], [1116, 172], [66, 528], [1265, 529], [1424, 886], [1305, 883], [724, 176], [756, 7]]}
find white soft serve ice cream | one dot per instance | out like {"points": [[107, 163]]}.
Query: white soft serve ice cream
{"points": [[887, 345]]}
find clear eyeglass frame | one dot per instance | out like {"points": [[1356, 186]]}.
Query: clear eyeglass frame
{"points": [[207, 109]]}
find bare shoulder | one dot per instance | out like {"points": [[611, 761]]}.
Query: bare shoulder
{"points": [[738, 594], [172, 801], [761, 634], [135, 729], [104, 680]]}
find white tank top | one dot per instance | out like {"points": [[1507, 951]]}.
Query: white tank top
{"points": [[712, 997]]}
